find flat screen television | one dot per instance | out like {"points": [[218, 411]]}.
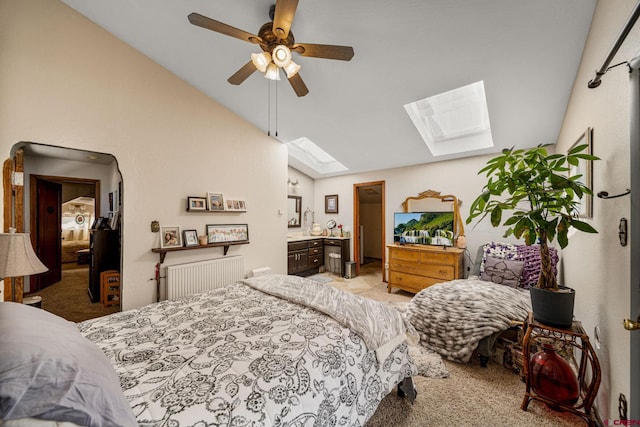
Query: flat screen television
{"points": [[423, 228]]}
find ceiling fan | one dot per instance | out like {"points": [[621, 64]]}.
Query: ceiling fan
{"points": [[277, 42]]}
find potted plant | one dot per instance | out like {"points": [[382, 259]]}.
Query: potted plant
{"points": [[543, 204]]}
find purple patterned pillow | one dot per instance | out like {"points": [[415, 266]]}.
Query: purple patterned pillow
{"points": [[531, 257], [529, 254]]}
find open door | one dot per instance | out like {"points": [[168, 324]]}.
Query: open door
{"points": [[47, 233], [369, 223], [634, 287]]}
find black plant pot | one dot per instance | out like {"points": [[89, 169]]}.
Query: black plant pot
{"points": [[553, 308]]}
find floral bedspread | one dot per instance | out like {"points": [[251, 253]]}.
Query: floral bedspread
{"points": [[236, 356]]}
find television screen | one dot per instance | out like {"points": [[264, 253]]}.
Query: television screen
{"points": [[423, 228]]}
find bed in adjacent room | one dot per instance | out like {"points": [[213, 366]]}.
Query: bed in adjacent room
{"points": [[72, 242], [250, 353]]}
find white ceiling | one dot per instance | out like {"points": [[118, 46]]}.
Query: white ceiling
{"points": [[526, 52]]}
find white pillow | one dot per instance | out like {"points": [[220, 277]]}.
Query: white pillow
{"points": [[49, 371]]}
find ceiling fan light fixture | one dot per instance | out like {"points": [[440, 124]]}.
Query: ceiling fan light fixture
{"points": [[261, 61], [273, 72], [291, 69], [281, 55]]}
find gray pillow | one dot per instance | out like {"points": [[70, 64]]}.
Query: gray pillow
{"points": [[49, 371], [502, 271]]}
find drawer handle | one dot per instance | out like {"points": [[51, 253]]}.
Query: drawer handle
{"points": [[315, 260]]}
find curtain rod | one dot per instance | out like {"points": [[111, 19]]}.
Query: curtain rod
{"points": [[623, 35]]}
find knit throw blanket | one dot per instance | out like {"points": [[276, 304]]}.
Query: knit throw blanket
{"points": [[452, 317]]}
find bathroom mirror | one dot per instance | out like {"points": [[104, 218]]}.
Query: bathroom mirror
{"points": [[294, 211]]}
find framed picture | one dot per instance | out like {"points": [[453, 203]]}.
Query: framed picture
{"points": [[190, 238], [110, 201], [215, 202], [236, 205], [170, 237], [217, 233], [113, 220], [584, 170], [331, 204], [196, 204]]}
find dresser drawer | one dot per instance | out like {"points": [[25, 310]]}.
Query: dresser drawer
{"points": [[410, 282], [404, 255], [296, 246], [315, 251], [444, 272], [315, 243], [315, 260], [437, 258]]}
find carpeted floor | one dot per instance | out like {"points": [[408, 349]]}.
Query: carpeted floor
{"points": [[469, 396], [69, 297]]}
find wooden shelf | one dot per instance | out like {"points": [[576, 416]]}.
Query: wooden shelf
{"points": [[225, 245]]}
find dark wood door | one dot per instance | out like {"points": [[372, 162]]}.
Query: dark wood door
{"points": [[48, 233]]}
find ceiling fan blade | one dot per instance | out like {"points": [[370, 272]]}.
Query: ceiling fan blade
{"points": [[328, 51], [222, 28], [285, 9], [298, 85], [242, 74]]}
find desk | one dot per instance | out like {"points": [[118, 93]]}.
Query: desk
{"points": [[578, 339]]}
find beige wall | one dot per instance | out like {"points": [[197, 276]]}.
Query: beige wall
{"points": [[595, 265], [66, 82], [599, 268]]}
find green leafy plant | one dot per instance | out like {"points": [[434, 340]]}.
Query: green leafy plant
{"points": [[543, 202]]}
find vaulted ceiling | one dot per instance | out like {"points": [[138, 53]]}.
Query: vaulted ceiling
{"points": [[526, 52]]}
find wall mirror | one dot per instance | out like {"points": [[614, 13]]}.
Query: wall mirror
{"points": [[294, 208], [438, 223]]}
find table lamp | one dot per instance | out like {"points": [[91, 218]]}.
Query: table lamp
{"points": [[17, 258]]}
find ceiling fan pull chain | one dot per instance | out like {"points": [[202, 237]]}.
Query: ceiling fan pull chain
{"points": [[268, 108], [277, 108]]}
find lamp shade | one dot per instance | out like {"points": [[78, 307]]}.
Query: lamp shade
{"points": [[273, 72], [261, 61], [281, 55], [291, 69], [17, 257]]}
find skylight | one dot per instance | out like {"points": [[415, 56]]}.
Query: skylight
{"points": [[310, 154], [453, 122]]}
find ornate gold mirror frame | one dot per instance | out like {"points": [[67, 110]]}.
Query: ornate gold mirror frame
{"points": [[432, 200]]}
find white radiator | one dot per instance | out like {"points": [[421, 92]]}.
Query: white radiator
{"points": [[193, 277]]}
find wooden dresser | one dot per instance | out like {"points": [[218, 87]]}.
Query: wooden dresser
{"points": [[415, 267]]}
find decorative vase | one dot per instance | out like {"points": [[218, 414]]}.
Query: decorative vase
{"points": [[552, 377]]}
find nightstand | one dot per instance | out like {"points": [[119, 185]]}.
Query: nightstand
{"points": [[588, 374]]}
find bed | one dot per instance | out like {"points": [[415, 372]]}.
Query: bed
{"points": [[460, 317], [250, 353], [72, 242]]}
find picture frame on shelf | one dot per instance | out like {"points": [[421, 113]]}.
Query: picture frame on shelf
{"points": [[196, 204], [331, 203], [218, 233], [190, 238], [170, 237], [236, 205], [215, 202], [584, 168]]}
